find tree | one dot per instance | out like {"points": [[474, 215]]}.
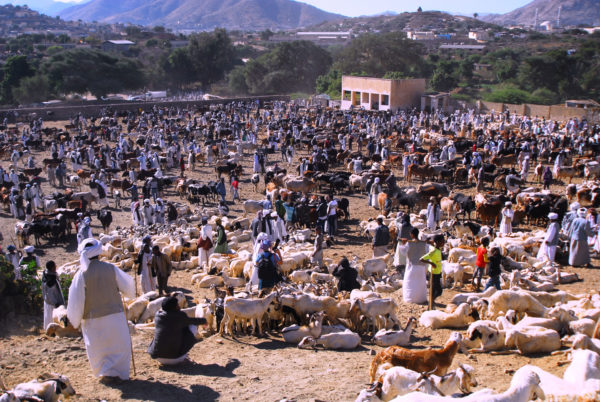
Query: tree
{"points": [[419, 10], [178, 68], [475, 15], [266, 34], [32, 89], [444, 76], [376, 54], [237, 80], [212, 55], [331, 83], [90, 70], [15, 69]]}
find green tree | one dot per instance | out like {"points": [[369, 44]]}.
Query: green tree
{"points": [[330, 83], [237, 80], [376, 54], [83, 70], [212, 55], [15, 69], [508, 94], [445, 76], [178, 68], [32, 89]]}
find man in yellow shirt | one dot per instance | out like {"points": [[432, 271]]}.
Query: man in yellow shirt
{"points": [[434, 258]]}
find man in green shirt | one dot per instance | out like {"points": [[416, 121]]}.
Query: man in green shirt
{"points": [[434, 258]]}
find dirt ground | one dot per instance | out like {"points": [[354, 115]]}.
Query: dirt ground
{"points": [[249, 368]]}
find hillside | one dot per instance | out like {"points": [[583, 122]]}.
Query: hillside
{"points": [[573, 12], [422, 21], [251, 15], [48, 7]]}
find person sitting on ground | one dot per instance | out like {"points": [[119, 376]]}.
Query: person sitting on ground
{"points": [[346, 276], [173, 337]]}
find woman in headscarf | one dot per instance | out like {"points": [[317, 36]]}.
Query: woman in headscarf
{"points": [[547, 177], [404, 228], [148, 281], [221, 247], [205, 243], [51, 292], [579, 230]]}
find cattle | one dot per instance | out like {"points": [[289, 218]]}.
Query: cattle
{"points": [[449, 207], [465, 203], [229, 168], [32, 171], [425, 172], [105, 218], [489, 210], [198, 192], [122, 185], [298, 185], [537, 211], [430, 189], [504, 160]]}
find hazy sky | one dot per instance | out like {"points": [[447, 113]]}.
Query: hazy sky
{"points": [[354, 8]]}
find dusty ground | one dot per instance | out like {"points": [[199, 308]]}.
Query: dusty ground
{"points": [[250, 368]]}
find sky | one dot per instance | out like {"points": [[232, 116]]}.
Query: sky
{"points": [[355, 8]]}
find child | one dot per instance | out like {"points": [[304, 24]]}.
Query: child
{"points": [[480, 262], [117, 199], [494, 269], [51, 292], [434, 258]]}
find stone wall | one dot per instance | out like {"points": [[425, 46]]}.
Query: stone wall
{"points": [[65, 112], [554, 112]]}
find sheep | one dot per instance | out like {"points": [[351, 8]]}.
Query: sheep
{"points": [[246, 309], [455, 255], [210, 280], [435, 319], [585, 365], [418, 360], [295, 333], [374, 266], [317, 277], [385, 337], [534, 340], [373, 309], [521, 302], [524, 386], [400, 381], [582, 341], [47, 388], [558, 389], [345, 340], [300, 276]]}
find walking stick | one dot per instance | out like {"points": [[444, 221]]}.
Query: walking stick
{"points": [[130, 339], [430, 288]]}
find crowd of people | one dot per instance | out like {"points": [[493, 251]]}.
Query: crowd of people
{"points": [[165, 140]]}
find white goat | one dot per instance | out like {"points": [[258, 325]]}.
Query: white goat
{"points": [[388, 337], [435, 319], [245, 309], [336, 340]]}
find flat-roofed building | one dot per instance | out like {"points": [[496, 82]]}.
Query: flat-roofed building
{"points": [[380, 93]]}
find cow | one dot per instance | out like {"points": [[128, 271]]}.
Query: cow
{"points": [[449, 206], [425, 172], [466, 204], [303, 185]]}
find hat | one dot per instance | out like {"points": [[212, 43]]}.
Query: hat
{"points": [[574, 206], [204, 220], [29, 249], [147, 239], [159, 199], [552, 216], [582, 212], [11, 247], [87, 220], [508, 204], [146, 201], [377, 180], [266, 243]]}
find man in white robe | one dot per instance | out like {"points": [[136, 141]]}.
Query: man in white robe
{"points": [[95, 304], [548, 247], [205, 233]]}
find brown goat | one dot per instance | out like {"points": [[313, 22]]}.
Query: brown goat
{"points": [[436, 361]]}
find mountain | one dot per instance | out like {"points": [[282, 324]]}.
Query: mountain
{"points": [[48, 7], [573, 12], [250, 15], [419, 21]]}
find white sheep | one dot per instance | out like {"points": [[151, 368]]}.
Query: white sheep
{"points": [[521, 302], [377, 309], [245, 309], [454, 271], [387, 337]]}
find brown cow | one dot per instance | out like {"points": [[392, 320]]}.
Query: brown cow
{"points": [[425, 172], [502, 160]]}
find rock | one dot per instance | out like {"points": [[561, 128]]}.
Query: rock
{"points": [[372, 352]]}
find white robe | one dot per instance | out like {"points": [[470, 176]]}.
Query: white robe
{"points": [[546, 251], [147, 281], [414, 285], [506, 223], [204, 255], [279, 231], [257, 244], [107, 340]]}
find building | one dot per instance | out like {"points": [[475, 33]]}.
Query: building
{"points": [[479, 35], [381, 94], [468, 48], [117, 45], [583, 104], [414, 35], [435, 101], [318, 38]]}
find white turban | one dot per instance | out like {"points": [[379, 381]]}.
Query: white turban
{"points": [[89, 248], [575, 206], [582, 212]]}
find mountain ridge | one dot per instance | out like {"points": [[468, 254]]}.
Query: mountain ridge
{"points": [[573, 13], [254, 15]]}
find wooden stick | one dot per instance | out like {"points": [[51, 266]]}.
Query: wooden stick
{"points": [[430, 288], [130, 339]]}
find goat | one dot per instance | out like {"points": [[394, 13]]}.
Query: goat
{"points": [[246, 309], [385, 337], [47, 388], [336, 340], [295, 333], [435, 319], [418, 360], [373, 309]]}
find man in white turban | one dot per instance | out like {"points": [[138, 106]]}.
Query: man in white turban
{"points": [[95, 304], [550, 242]]}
